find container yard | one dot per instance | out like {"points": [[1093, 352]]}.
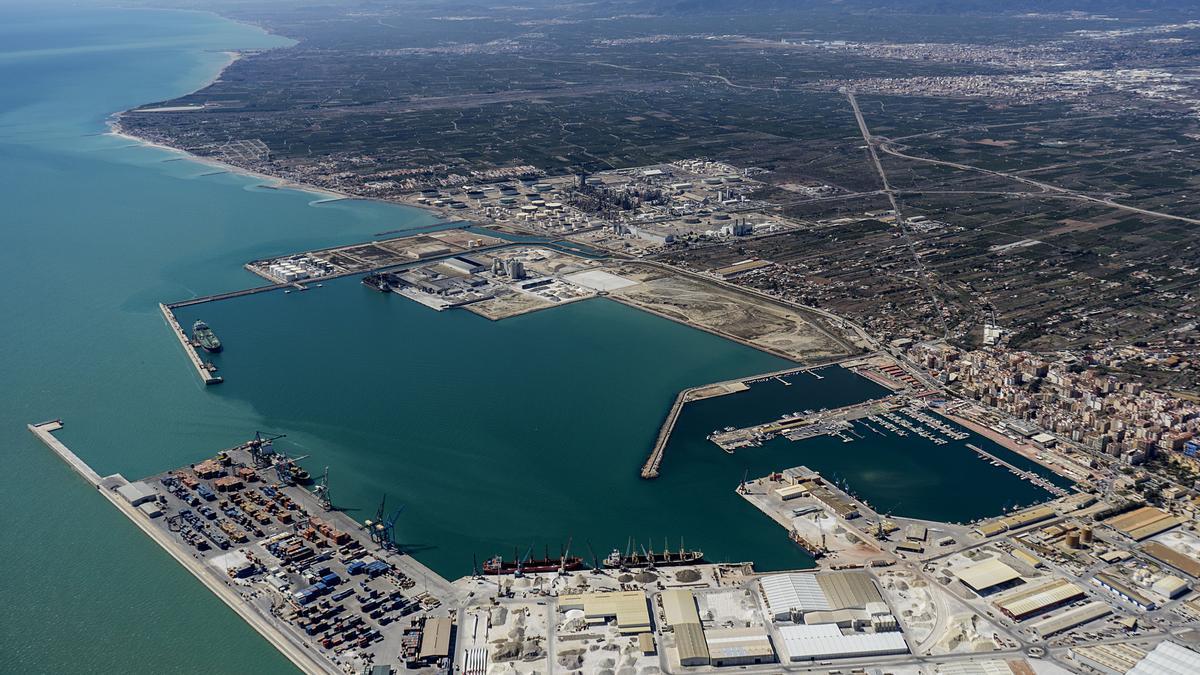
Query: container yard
{"points": [[334, 595]]}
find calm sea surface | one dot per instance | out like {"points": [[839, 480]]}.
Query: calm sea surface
{"points": [[495, 435]]}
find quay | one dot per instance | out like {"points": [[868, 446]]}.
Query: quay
{"points": [[206, 375], [800, 427], [334, 596], [107, 486]]}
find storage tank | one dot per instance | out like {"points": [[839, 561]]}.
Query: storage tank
{"points": [[1085, 535], [1073, 540]]}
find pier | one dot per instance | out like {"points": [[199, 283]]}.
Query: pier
{"points": [[650, 469], [44, 432], [1030, 476], [796, 427], [206, 375]]}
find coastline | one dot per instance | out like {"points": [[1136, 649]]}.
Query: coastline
{"points": [[116, 130], [272, 182]]}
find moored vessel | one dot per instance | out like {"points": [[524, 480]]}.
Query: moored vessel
{"points": [[205, 337]]}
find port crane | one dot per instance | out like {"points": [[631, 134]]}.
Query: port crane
{"points": [[261, 448], [562, 560], [521, 561], [322, 491], [382, 529], [595, 560]]}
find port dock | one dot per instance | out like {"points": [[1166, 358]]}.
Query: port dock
{"points": [[107, 487], [329, 593], [202, 369]]}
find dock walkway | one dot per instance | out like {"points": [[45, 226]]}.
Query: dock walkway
{"points": [[205, 374]]}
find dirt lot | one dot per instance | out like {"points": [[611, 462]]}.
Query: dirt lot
{"points": [[762, 324]]}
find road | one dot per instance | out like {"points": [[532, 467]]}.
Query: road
{"points": [[901, 223], [889, 148]]}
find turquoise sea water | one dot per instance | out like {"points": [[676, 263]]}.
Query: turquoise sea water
{"points": [[430, 408]]}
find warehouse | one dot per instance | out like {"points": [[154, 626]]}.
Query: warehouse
{"points": [[137, 493], [1072, 618], [690, 644], [1024, 603], [679, 606], [848, 590], [1168, 658], [1167, 555], [786, 594], [989, 576], [826, 641], [1143, 523], [1015, 521], [1170, 586], [1123, 590], [739, 646], [628, 608], [464, 265], [1115, 659], [792, 491], [435, 639], [1027, 558]]}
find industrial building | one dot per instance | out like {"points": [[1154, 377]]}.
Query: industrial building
{"points": [[990, 528], [989, 576], [137, 493], [1072, 618], [690, 644], [679, 606], [1116, 659], [1168, 658], [788, 595], [627, 608], [739, 646], [1169, 556], [464, 265], [1023, 603], [1170, 587], [1143, 523], [826, 641], [1123, 590], [792, 491], [680, 613], [435, 639]]}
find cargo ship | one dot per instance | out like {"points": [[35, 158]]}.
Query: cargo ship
{"points": [[499, 565], [379, 282], [205, 337], [617, 560]]}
